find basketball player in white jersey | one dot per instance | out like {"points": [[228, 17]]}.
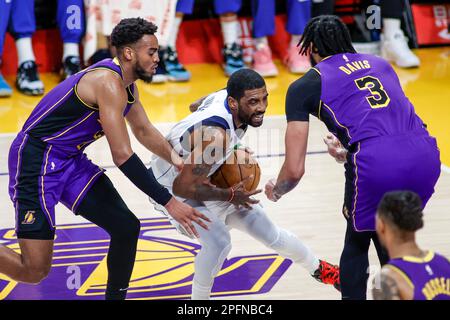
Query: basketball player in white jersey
{"points": [[205, 139]]}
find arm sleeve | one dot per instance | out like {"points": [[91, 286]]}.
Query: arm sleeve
{"points": [[135, 170], [303, 97]]}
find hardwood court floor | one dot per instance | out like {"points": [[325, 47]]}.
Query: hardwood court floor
{"points": [[311, 211]]}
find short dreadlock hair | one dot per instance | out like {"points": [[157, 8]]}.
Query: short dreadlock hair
{"points": [[131, 30], [328, 34]]}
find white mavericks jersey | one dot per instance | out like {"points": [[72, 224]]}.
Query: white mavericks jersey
{"points": [[214, 110]]}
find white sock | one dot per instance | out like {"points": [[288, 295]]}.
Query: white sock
{"points": [[391, 27], [260, 42], [295, 38], [230, 31], [70, 49], [172, 42], [200, 292], [24, 50]]}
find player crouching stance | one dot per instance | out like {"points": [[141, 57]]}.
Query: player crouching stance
{"points": [[210, 133]]}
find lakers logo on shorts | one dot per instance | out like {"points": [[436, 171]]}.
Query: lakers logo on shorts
{"points": [[29, 217]]}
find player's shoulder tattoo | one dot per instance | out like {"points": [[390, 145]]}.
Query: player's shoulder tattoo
{"points": [[388, 288]]}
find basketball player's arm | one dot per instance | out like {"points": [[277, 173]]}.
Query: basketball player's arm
{"points": [[111, 99], [193, 181], [150, 137], [302, 99], [296, 140], [389, 285], [194, 105]]}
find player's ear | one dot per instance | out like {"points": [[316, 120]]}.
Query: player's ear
{"points": [[128, 53], [380, 226], [232, 103]]}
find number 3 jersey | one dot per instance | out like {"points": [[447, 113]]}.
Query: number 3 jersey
{"points": [[361, 97], [63, 120]]}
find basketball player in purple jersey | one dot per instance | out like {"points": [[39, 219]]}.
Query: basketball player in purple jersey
{"points": [[411, 273], [47, 164], [386, 145]]}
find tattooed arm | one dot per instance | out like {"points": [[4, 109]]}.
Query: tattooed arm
{"points": [[389, 285], [194, 105], [293, 168], [193, 181]]}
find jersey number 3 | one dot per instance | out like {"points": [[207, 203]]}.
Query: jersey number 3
{"points": [[378, 98]]}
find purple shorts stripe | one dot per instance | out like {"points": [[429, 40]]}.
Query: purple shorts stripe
{"points": [[355, 182], [86, 188], [43, 202]]}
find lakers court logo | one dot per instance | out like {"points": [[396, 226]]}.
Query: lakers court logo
{"points": [[164, 267]]}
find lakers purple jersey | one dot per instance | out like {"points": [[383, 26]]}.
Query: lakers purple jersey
{"points": [[430, 276], [362, 97], [64, 120]]}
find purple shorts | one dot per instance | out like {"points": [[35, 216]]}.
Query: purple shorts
{"points": [[379, 165], [40, 176]]}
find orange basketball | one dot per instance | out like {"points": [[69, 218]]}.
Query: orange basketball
{"points": [[238, 166]]}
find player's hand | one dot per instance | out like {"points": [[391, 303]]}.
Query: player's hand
{"points": [[184, 214], [335, 148], [242, 197], [177, 161], [270, 194]]}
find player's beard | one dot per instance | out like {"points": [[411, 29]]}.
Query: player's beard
{"points": [[247, 118], [142, 74]]}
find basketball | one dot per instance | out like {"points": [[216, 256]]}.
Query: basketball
{"points": [[235, 170]]}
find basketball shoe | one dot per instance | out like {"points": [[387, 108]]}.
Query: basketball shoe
{"points": [[328, 274], [28, 81]]}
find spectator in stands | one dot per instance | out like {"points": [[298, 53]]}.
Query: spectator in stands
{"points": [[71, 22], [17, 17], [394, 44], [298, 15], [169, 68]]}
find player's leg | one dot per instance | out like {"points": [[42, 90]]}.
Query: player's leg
{"points": [[34, 199], [32, 265], [22, 26], [103, 206], [354, 264], [71, 21], [216, 245], [256, 223], [263, 25]]}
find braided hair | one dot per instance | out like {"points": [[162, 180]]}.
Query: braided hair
{"points": [[328, 34]]}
